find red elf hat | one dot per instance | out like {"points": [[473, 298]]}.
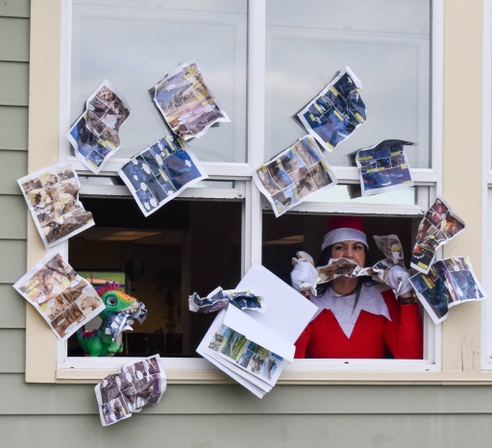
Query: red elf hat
{"points": [[344, 228]]}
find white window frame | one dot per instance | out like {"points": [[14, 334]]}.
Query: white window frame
{"points": [[427, 181], [486, 349]]}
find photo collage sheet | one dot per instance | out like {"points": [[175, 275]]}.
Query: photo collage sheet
{"points": [[64, 299], [52, 196], [335, 112], [288, 178], [448, 282], [160, 172], [185, 102], [94, 136], [383, 167], [131, 388], [438, 226]]}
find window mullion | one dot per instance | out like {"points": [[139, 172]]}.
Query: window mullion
{"points": [[252, 219]]}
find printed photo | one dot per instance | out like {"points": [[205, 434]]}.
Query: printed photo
{"points": [[157, 174], [185, 102]]}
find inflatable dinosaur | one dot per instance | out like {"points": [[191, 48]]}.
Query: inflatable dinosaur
{"points": [[120, 312]]}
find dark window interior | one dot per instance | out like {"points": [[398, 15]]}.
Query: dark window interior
{"points": [[184, 247]]}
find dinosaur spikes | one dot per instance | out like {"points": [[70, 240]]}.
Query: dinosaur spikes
{"points": [[108, 287]]}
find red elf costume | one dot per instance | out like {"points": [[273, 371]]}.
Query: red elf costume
{"points": [[370, 322]]}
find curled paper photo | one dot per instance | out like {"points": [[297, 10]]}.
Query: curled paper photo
{"points": [[52, 195], [335, 112], [438, 226], [297, 172], [186, 103], [64, 299], [130, 389], [448, 283], [383, 167], [160, 172], [94, 136]]}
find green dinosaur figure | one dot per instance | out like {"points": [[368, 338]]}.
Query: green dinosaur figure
{"points": [[100, 342]]}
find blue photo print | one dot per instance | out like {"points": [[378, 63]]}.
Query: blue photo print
{"points": [[137, 172], [150, 159], [161, 188], [86, 139], [433, 292], [180, 169], [331, 126], [146, 198], [95, 158]]}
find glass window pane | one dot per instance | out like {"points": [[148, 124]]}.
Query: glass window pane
{"points": [[134, 43], [385, 43]]}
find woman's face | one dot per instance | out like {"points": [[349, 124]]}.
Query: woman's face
{"points": [[353, 250]]}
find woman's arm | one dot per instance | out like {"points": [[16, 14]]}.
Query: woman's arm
{"points": [[403, 334]]}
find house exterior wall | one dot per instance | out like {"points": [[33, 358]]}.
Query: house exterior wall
{"points": [[57, 415]]}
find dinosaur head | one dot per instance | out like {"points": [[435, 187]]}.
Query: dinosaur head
{"points": [[116, 301]]}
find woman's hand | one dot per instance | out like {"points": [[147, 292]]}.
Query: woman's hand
{"points": [[304, 277], [399, 280]]}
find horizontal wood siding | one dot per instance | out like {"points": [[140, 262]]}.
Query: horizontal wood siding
{"points": [[14, 96], [14, 39], [15, 8]]}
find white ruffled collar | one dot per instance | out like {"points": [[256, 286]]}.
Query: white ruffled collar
{"points": [[342, 307]]}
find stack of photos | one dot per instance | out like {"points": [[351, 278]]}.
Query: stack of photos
{"points": [[246, 350], [438, 226], [253, 358], [94, 136], [335, 112], [160, 172], [52, 196], [449, 282], [130, 389], [297, 172], [64, 299], [186, 104], [383, 167]]}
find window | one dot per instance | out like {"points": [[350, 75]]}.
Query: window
{"points": [[263, 60]]}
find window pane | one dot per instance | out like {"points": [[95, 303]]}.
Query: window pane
{"points": [[385, 43], [165, 257], [134, 43]]}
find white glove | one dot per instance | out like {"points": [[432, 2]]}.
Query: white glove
{"points": [[304, 276], [399, 280]]}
